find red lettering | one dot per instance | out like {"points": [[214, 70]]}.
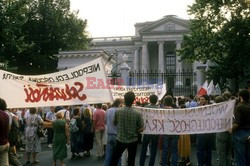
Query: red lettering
{"points": [[45, 92]]}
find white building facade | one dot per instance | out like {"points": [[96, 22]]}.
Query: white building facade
{"points": [[153, 48]]}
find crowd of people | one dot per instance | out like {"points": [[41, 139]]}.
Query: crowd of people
{"points": [[117, 129]]}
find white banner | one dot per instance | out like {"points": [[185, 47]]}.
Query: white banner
{"points": [[142, 92], [86, 83], [205, 119]]}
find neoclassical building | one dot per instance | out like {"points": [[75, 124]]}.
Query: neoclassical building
{"points": [[152, 48]]}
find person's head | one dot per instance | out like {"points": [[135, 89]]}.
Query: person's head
{"points": [[87, 112], [3, 105], [226, 95], [59, 115], [58, 108], [76, 111], [191, 97], [129, 98], [168, 100], [117, 102], [104, 107], [99, 105], [153, 99], [244, 95], [219, 99], [33, 110], [204, 100]]}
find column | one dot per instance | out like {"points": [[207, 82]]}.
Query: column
{"points": [[145, 57], [136, 60], [178, 82], [161, 56]]}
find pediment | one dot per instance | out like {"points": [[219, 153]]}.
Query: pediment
{"points": [[167, 24]]}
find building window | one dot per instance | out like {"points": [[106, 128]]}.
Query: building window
{"points": [[170, 62], [188, 82]]}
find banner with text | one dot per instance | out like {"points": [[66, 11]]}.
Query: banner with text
{"points": [[142, 92], [204, 119], [86, 83]]}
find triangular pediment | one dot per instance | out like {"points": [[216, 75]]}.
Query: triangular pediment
{"points": [[167, 24]]}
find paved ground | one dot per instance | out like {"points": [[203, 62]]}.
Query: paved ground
{"points": [[45, 158]]}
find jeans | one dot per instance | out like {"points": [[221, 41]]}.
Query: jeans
{"points": [[110, 147], [119, 149], [224, 148], [240, 147], [170, 142], [153, 148], [204, 149], [4, 159]]}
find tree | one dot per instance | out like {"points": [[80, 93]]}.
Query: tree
{"points": [[48, 27], [219, 33]]}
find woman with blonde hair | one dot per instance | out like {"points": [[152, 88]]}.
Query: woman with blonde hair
{"points": [[61, 138], [88, 134]]}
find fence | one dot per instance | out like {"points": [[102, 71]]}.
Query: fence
{"points": [[181, 83]]}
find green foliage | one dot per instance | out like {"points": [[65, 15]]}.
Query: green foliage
{"points": [[220, 32], [32, 31]]}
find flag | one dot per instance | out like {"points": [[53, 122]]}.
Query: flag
{"points": [[211, 88], [217, 89], [203, 89]]}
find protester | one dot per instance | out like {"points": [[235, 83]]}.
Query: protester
{"points": [[33, 142], [14, 137], [184, 143], [76, 136], [5, 122], [223, 143], [104, 139], [241, 129], [170, 142], [129, 123], [61, 138], [111, 131], [99, 127], [204, 141], [50, 117], [88, 134], [151, 139]]}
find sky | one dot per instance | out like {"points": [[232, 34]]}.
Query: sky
{"points": [[109, 18]]}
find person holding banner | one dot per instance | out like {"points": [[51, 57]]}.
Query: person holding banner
{"points": [[204, 141], [129, 123], [241, 129], [169, 141], [223, 143], [149, 138]]}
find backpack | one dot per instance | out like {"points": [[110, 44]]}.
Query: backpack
{"points": [[72, 126], [14, 133]]}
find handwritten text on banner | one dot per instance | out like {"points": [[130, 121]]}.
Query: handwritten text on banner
{"points": [[205, 119]]}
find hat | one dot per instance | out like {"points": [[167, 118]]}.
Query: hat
{"points": [[58, 108]]}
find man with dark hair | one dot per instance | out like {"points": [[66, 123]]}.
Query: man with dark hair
{"points": [[4, 130], [129, 123], [111, 130], [204, 141], [147, 138], [241, 129], [169, 141]]}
